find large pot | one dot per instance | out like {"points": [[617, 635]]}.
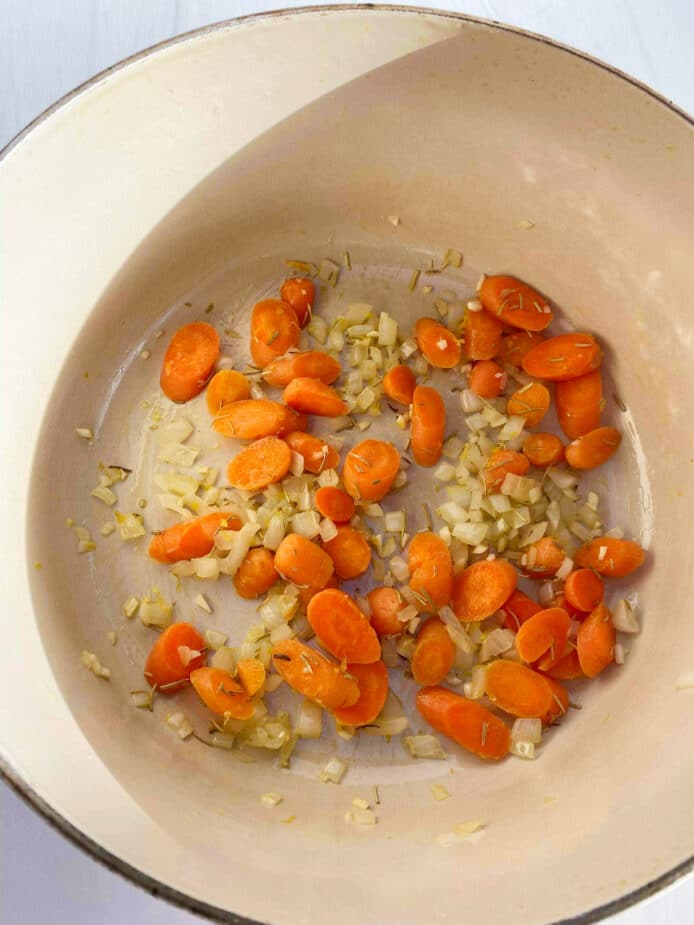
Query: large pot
{"points": [[294, 134]]}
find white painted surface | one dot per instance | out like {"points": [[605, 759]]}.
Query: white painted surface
{"points": [[47, 47]]}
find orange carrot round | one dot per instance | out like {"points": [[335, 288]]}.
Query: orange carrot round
{"points": [[225, 387], [568, 668], [428, 425], [254, 418], [317, 454], [190, 539], [518, 690], [499, 464], [542, 638], [373, 690], [517, 609], [251, 674], [563, 357], [261, 464], [595, 642], [166, 664], [342, 628], [439, 345], [514, 302], [481, 336], [594, 448], [542, 558], [370, 469], [256, 574], [311, 396], [482, 588], [515, 346], [610, 557], [349, 551], [274, 330], [434, 653], [302, 562], [399, 384], [466, 722], [312, 364], [431, 570], [543, 449], [385, 605], [579, 404], [221, 693], [312, 674], [487, 379], [300, 293], [584, 589], [189, 361], [531, 402], [335, 504]]}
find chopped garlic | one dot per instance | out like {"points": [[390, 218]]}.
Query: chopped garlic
{"points": [[271, 799], [202, 602], [130, 526], [90, 661], [112, 637], [130, 607], [439, 792], [181, 724], [360, 817], [86, 433], [107, 528], [334, 771]]}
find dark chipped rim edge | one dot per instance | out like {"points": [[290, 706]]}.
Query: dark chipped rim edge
{"points": [[78, 838]]}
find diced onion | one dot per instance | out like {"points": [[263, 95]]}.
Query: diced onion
{"points": [[207, 567], [327, 529], [90, 661], [399, 568], [224, 658], [278, 609], [334, 771], [361, 817], [215, 639], [181, 724], [523, 750], [424, 746], [527, 730], [318, 328], [130, 526], [281, 634], [130, 607], [470, 402], [306, 524], [270, 799], [310, 722], [155, 611], [624, 619]]}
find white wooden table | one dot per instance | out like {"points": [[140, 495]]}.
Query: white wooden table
{"points": [[47, 47]]}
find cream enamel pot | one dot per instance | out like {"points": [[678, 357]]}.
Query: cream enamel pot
{"points": [[193, 169]]}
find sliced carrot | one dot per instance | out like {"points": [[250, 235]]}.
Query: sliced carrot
{"points": [[335, 504], [312, 674], [169, 660], [498, 466], [399, 384], [191, 539], [434, 653], [531, 402], [370, 469], [254, 418], [342, 628], [584, 589], [221, 693], [466, 722], [560, 600], [563, 357], [542, 558], [487, 379], [226, 386], [515, 346], [610, 557], [317, 454], [385, 605], [350, 552], [256, 574], [579, 404], [439, 345], [251, 674], [595, 642], [300, 293], [302, 562], [594, 448], [568, 668], [305, 594], [311, 396], [542, 638], [514, 302], [431, 570], [543, 449], [481, 336], [560, 701], [313, 364], [189, 361], [518, 690], [261, 464], [482, 588], [373, 690], [517, 609], [428, 425], [274, 330]]}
